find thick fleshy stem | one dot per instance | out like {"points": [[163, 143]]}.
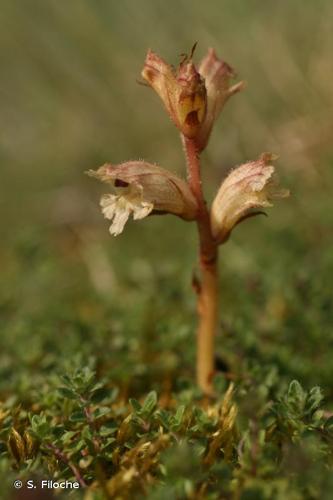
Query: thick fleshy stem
{"points": [[207, 287]]}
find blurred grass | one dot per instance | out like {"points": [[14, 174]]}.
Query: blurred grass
{"points": [[69, 98]]}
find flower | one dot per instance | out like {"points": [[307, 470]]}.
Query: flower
{"points": [[140, 189], [248, 187], [193, 98], [217, 75], [182, 92]]}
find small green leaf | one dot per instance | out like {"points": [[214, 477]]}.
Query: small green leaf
{"points": [[135, 405], [106, 430], [102, 393], [177, 419], [67, 436], [100, 412], [328, 426], [149, 403], [296, 396], [67, 393], [313, 401], [109, 441], [40, 425], [163, 417], [78, 416]]}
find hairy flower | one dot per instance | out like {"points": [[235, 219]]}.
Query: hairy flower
{"points": [[193, 97], [141, 188], [247, 188]]}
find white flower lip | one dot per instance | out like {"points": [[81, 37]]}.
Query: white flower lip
{"points": [[118, 208]]}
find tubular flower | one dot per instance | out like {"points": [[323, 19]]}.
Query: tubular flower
{"points": [[217, 75], [183, 91], [140, 189], [193, 98], [247, 188]]}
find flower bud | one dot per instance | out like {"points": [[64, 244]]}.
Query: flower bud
{"points": [[140, 189], [217, 75], [182, 92], [193, 98], [247, 188]]}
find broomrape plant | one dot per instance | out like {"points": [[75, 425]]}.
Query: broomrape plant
{"points": [[193, 97]]}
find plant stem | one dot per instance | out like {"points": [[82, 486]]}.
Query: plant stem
{"points": [[61, 456], [207, 288]]}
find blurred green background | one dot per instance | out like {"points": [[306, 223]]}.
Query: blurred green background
{"points": [[69, 98], [70, 101]]}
